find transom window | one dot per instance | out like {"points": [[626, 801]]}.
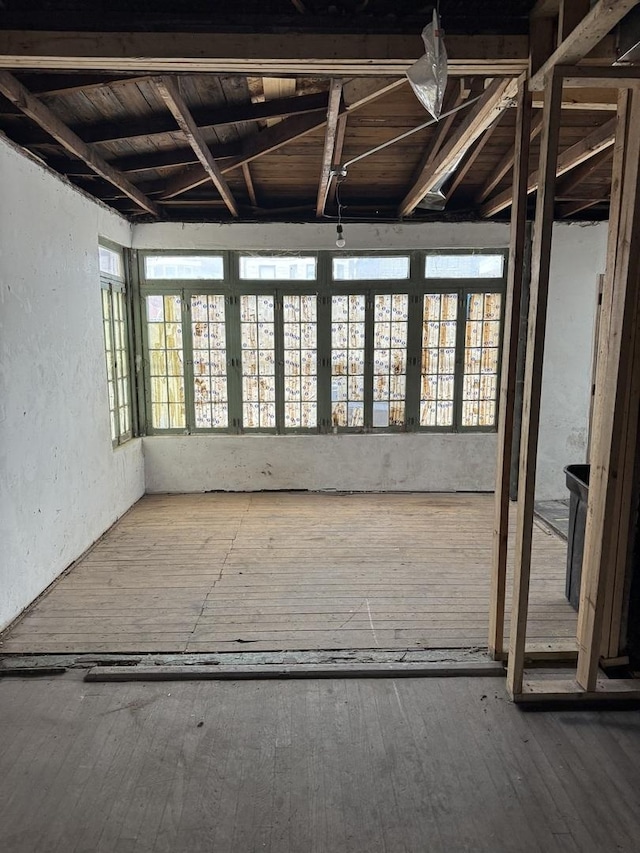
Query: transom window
{"points": [[323, 342]]}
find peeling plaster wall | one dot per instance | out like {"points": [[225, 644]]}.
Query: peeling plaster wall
{"points": [[61, 482]]}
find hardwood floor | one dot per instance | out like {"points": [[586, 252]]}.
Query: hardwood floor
{"points": [[337, 766], [273, 571]]}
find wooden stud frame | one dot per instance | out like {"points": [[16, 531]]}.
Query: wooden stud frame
{"points": [[615, 408]]}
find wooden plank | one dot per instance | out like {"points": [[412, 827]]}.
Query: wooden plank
{"points": [[337, 156], [515, 274], [246, 171], [617, 397], [168, 89], [49, 121], [595, 142], [331, 130], [493, 102], [601, 19], [621, 76], [540, 264], [580, 173], [274, 54], [264, 672]]}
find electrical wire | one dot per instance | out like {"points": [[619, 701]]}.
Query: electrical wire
{"points": [[409, 132]]}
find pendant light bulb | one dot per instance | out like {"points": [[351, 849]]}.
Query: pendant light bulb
{"points": [[340, 241]]}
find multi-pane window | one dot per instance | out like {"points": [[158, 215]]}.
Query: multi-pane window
{"points": [[209, 341], [114, 324], [300, 344], [347, 360], [257, 324], [166, 361], [359, 343], [437, 376], [482, 344]]}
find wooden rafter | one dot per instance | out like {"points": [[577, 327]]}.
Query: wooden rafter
{"points": [[355, 95], [331, 130], [576, 176], [51, 85], [595, 142], [506, 164], [602, 18], [251, 190], [337, 154], [49, 121], [170, 93], [496, 98], [337, 54]]}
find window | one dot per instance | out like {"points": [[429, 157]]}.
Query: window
{"points": [[285, 343], [114, 324]]}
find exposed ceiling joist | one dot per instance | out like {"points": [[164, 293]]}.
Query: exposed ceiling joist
{"points": [[49, 121], [331, 130], [496, 98], [355, 93], [51, 85], [602, 18], [251, 190], [602, 137], [170, 93], [581, 173], [506, 164]]}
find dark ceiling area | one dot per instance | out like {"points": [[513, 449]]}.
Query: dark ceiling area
{"points": [[268, 138]]}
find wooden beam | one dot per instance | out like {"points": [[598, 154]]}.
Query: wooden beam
{"points": [[170, 94], [577, 76], [595, 142], [496, 98], [506, 164], [270, 55], [602, 18], [246, 171], [331, 130], [515, 274], [337, 155], [583, 98], [570, 208], [576, 176], [617, 396], [470, 159], [52, 85], [49, 121], [541, 258], [356, 94]]}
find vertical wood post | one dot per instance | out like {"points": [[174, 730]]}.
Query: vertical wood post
{"points": [[615, 408], [517, 244], [540, 264]]}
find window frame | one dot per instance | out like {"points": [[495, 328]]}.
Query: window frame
{"points": [[112, 284], [324, 288]]}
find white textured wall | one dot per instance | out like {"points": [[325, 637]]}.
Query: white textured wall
{"points": [[578, 255], [379, 462], [61, 483]]}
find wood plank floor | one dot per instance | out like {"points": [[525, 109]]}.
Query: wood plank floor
{"points": [[273, 571], [350, 766]]}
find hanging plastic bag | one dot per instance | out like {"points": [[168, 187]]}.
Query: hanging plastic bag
{"points": [[428, 76]]}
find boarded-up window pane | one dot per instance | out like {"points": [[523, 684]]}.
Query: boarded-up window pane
{"points": [[166, 361], [210, 393], [258, 362], [347, 360], [438, 359], [482, 342], [300, 362], [390, 319]]}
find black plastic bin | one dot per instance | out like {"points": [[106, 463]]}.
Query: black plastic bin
{"points": [[578, 485]]}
